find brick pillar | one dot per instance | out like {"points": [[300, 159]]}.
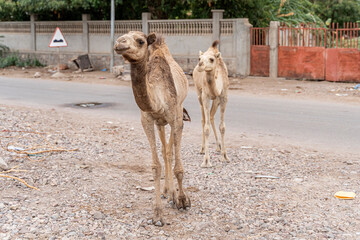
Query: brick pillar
{"points": [[242, 46], [274, 48], [145, 16]]}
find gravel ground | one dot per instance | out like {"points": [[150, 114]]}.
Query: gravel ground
{"points": [[92, 193]]}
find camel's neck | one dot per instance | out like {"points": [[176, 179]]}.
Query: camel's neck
{"points": [[141, 90], [211, 81]]}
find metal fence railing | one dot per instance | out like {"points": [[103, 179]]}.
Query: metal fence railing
{"points": [[313, 35]]}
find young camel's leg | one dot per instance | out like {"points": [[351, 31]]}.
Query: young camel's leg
{"points": [[223, 102], [169, 180], [206, 103], [148, 125], [182, 201], [213, 110], [202, 151]]}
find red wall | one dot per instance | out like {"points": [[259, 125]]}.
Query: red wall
{"points": [[343, 65], [260, 60], [301, 62]]}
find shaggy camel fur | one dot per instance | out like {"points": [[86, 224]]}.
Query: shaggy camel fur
{"points": [[212, 83], [160, 87]]}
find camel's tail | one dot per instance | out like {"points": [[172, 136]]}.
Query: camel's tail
{"points": [[186, 116]]}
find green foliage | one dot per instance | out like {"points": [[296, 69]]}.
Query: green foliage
{"points": [[259, 12], [338, 11], [14, 59], [3, 49]]}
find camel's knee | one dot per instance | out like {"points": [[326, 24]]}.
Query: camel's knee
{"points": [[179, 173], [156, 168], [212, 118], [222, 128], [207, 130]]}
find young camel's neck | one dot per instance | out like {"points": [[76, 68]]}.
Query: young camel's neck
{"points": [[211, 81], [141, 90]]}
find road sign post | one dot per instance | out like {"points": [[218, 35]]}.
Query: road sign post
{"points": [[57, 41]]}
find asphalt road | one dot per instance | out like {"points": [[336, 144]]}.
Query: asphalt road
{"points": [[315, 124]]}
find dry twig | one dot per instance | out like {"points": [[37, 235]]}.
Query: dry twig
{"points": [[20, 180]]}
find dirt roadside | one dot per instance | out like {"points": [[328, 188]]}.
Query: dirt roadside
{"points": [[93, 193], [299, 89]]}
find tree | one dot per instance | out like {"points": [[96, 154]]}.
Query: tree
{"points": [[259, 12], [338, 11]]}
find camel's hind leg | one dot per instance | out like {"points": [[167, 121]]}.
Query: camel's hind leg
{"points": [[148, 125], [223, 102], [166, 150], [213, 110], [182, 201]]}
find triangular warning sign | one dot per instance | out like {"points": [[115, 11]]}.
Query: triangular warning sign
{"points": [[58, 39]]}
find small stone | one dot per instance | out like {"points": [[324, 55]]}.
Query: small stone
{"points": [[98, 215], [37, 75], [3, 165], [55, 216]]}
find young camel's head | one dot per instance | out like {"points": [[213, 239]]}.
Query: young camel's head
{"points": [[208, 60], [133, 46]]}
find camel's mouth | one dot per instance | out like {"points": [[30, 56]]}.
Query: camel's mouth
{"points": [[208, 69], [121, 50]]}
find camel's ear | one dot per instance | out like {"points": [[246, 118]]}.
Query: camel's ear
{"points": [[200, 53], [151, 38], [217, 55]]}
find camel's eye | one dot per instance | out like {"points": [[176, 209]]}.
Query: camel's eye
{"points": [[141, 42], [211, 60], [199, 59]]}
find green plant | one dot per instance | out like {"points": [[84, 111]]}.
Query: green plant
{"points": [[13, 59], [3, 48]]}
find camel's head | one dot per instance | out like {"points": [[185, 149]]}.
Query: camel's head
{"points": [[134, 45], [208, 60]]}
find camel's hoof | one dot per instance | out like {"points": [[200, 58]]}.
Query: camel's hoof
{"points": [[163, 196], [158, 223], [218, 148], [183, 202], [225, 158], [157, 220], [206, 164]]}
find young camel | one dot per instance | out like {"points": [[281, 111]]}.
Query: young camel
{"points": [[212, 83], [160, 87]]}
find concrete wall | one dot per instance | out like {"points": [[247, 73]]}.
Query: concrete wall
{"points": [[184, 44]]}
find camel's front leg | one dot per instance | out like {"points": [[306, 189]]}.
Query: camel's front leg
{"points": [[148, 125], [206, 103], [167, 155], [182, 201], [202, 151], [213, 110], [223, 102]]}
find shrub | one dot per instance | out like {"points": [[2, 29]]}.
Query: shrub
{"points": [[13, 59]]}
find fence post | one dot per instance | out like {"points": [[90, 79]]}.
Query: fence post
{"points": [[33, 18], [217, 14], [85, 34], [274, 47], [145, 16], [242, 46]]}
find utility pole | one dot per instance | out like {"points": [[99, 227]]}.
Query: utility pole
{"points": [[112, 29]]}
